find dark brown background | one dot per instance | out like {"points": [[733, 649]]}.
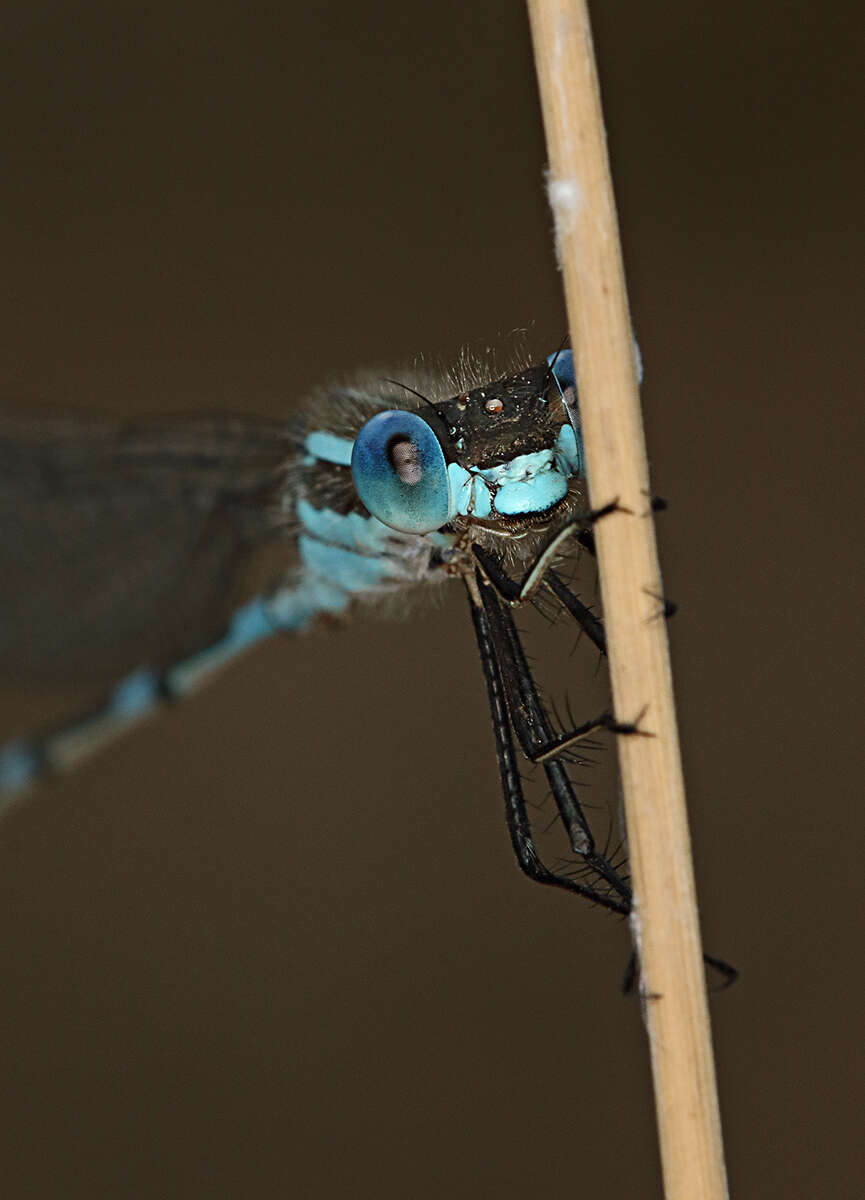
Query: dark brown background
{"points": [[274, 942]]}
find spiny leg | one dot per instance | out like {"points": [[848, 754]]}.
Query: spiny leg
{"points": [[512, 592], [516, 816], [541, 573], [728, 974], [591, 625], [535, 734], [558, 744], [519, 593]]}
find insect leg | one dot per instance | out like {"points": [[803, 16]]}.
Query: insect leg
{"points": [[589, 623], [516, 816], [573, 530], [512, 592], [535, 734], [509, 679]]}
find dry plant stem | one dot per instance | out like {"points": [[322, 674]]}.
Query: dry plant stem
{"points": [[665, 911]]}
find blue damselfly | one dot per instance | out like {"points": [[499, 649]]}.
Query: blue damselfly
{"points": [[124, 547]]}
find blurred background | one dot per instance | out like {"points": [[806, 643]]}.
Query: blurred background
{"points": [[275, 940]]}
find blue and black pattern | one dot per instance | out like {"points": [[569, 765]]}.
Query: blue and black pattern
{"points": [[124, 547], [125, 555]]}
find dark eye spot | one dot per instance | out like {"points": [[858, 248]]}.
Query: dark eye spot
{"points": [[405, 460]]}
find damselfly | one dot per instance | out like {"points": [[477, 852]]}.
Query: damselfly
{"points": [[122, 549]]}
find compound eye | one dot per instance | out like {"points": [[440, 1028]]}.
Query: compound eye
{"points": [[400, 473]]}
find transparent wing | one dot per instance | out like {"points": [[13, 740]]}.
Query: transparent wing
{"points": [[129, 544]]}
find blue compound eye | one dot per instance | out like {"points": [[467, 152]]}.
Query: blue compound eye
{"points": [[400, 472]]}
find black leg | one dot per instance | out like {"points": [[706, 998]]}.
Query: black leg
{"points": [[729, 973], [629, 980], [515, 704], [519, 593], [518, 823], [632, 974], [592, 626], [535, 734], [541, 573]]}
